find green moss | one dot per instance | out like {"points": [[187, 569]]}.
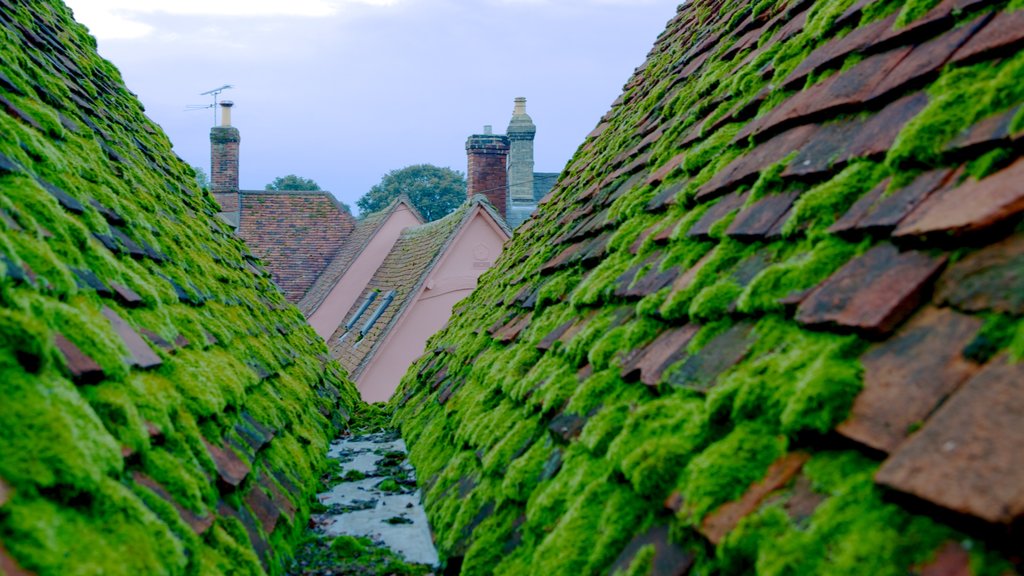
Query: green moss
{"points": [[913, 10], [709, 149], [715, 300], [723, 471], [642, 563], [524, 472], [822, 205]]}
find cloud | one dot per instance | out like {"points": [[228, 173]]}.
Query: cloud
{"points": [[123, 19]]}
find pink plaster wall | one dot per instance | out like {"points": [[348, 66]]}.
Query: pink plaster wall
{"points": [[332, 311], [471, 252]]}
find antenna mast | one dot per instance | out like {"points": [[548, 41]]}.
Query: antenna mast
{"points": [[215, 92]]}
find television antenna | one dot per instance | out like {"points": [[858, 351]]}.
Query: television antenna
{"points": [[215, 92]]}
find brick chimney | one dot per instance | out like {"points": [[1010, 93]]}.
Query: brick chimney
{"points": [[224, 141], [487, 155]]}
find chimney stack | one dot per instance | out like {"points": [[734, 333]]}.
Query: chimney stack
{"points": [[487, 155], [224, 140], [521, 132]]}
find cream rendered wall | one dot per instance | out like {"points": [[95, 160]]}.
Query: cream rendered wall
{"points": [[343, 296], [473, 250]]}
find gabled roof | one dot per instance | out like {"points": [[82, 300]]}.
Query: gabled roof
{"points": [[403, 271], [353, 245], [163, 409], [769, 321], [296, 233]]}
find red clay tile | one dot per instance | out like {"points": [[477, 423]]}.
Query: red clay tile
{"points": [[140, 352], [757, 221], [745, 169], [553, 336], [264, 509], [9, 566], [283, 503], [719, 523], [872, 293], [1003, 33], [199, 524], [984, 135], [700, 371], [648, 364], [157, 339], [666, 197], [669, 558], [833, 52], [801, 503], [827, 150], [511, 331], [967, 457], [877, 134], [83, 369], [659, 175], [5, 493], [231, 468], [887, 212], [721, 209], [950, 560], [847, 223], [687, 277], [925, 60], [991, 279], [973, 207], [910, 374], [126, 296]]}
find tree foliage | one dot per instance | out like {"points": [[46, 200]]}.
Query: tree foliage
{"points": [[202, 180], [292, 182], [434, 191]]}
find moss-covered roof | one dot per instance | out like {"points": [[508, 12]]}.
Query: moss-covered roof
{"points": [[769, 320], [163, 410]]}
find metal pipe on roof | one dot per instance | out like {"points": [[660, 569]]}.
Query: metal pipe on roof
{"points": [[376, 314], [366, 304]]}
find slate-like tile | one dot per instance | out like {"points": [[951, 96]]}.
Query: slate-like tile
{"points": [[549, 340], [669, 558], [264, 509], [140, 353], [984, 135], [877, 133], [566, 427], [88, 279], [280, 499], [69, 202], [198, 524], [846, 225], [700, 371], [513, 328], [83, 369], [950, 560], [720, 522], [757, 221], [967, 457], [702, 227], [887, 213], [126, 296], [908, 375], [991, 279], [973, 207], [648, 363], [745, 169], [873, 293], [231, 469], [1003, 33]]}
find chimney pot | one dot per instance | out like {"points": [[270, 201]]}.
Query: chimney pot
{"points": [[520, 105], [225, 112]]}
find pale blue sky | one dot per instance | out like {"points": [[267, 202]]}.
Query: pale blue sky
{"points": [[341, 91]]}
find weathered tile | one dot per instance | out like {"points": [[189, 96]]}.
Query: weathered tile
{"points": [[908, 375], [720, 522], [83, 369], [721, 209], [967, 457], [700, 371], [847, 223], [669, 559], [280, 499], [69, 202], [5, 493], [757, 221], [513, 328], [991, 279], [198, 524], [666, 197], [566, 427], [648, 363], [231, 469], [973, 207], [986, 134], [873, 293], [878, 132], [549, 340], [255, 434], [9, 566], [745, 169], [140, 353], [126, 296], [950, 560], [687, 277], [88, 279], [264, 509], [834, 52], [1004, 32], [925, 60], [887, 213]]}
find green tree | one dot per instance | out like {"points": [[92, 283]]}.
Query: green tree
{"points": [[202, 180], [434, 191], [292, 182]]}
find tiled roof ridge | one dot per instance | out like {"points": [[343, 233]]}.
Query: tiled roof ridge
{"points": [[332, 274], [447, 228], [771, 318], [325, 193]]}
